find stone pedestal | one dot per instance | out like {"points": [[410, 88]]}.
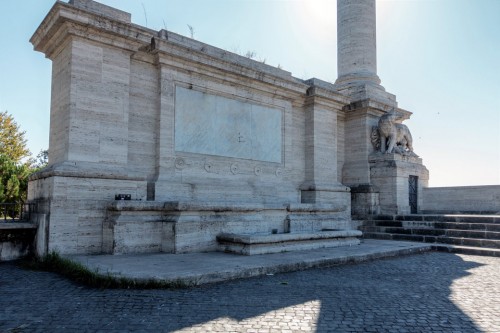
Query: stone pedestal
{"points": [[365, 200], [390, 174]]}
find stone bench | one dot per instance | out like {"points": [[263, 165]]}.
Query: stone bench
{"points": [[251, 244]]}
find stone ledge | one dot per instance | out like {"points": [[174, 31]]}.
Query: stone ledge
{"points": [[279, 238], [101, 9], [79, 169], [256, 244], [209, 267], [16, 225], [471, 250], [218, 207]]}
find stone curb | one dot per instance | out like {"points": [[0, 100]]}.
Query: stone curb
{"points": [[253, 269]]}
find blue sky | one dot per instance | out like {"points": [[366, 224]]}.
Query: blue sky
{"points": [[439, 57]]}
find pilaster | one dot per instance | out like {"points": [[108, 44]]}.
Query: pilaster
{"points": [[321, 179]]}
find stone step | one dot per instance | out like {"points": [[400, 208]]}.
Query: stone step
{"points": [[252, 244], [488, 219], [475, 242], [435, 232], [435, 225], [472, 250]]}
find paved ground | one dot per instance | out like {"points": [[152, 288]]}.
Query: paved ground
{"points": [[430, 292]]}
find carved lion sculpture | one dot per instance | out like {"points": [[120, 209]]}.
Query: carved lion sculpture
{"points": [[392, 137]]}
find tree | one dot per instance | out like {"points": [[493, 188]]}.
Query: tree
{"points": [[12, 140], [40, 161], [15, 168], [13, 180]]}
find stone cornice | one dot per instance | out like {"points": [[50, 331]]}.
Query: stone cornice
{"points": [[372, 107], [65, 20], [85, 170], [323, 94], [186, 54]]}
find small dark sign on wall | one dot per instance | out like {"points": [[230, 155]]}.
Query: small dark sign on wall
{"points": [[123, 196]]}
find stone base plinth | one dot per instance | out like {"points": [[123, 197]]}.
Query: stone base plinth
{"points": [[365, 200], [389, 174]]}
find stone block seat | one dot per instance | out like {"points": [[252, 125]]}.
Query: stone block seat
{"points": [[16, 239], [252, 228], [251, 244]]}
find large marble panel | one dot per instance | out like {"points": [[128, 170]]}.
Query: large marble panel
{"points": [[216, 125]]}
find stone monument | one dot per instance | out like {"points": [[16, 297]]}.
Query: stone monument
{"points": [[161, 143], [380, 183]]}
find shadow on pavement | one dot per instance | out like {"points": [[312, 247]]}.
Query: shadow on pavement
{"points": [[410, 294]]}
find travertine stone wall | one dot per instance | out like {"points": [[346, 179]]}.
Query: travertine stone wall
{"points": [[60, 102], [462, 199], [166, 118], [116, 129], [321, 146], [143, 115], [192, 226], [76, 207]]}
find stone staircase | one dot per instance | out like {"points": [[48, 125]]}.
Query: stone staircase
{"points": [[469, 234]]}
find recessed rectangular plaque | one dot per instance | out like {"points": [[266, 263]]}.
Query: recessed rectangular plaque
{"points": [[216, 125]]}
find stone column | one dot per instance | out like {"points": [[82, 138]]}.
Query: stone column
{"points": [[378, 182], [356, 42], [357, 52]]}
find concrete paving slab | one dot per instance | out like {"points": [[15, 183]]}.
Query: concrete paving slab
{"points": [[201, 268]]}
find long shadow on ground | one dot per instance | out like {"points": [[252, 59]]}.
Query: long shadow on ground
{"points": [[395, 295]]}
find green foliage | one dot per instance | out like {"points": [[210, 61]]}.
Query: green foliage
{"points": [[13, 180], [40, 161], [12, 140], [14, 172]]}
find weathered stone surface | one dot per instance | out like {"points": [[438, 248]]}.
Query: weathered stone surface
{"points": [[357, 52], [184, 227], [203, 140], [390, 136], [390, 174], [16, 240], [356, 42], [166, 118], [462, 199], [253, 244], [101, 9], [214, 125]]}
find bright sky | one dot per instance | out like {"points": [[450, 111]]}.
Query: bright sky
{"points": [[439, 57]]}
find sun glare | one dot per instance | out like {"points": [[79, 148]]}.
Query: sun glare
{"points": [[321, 11]]}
